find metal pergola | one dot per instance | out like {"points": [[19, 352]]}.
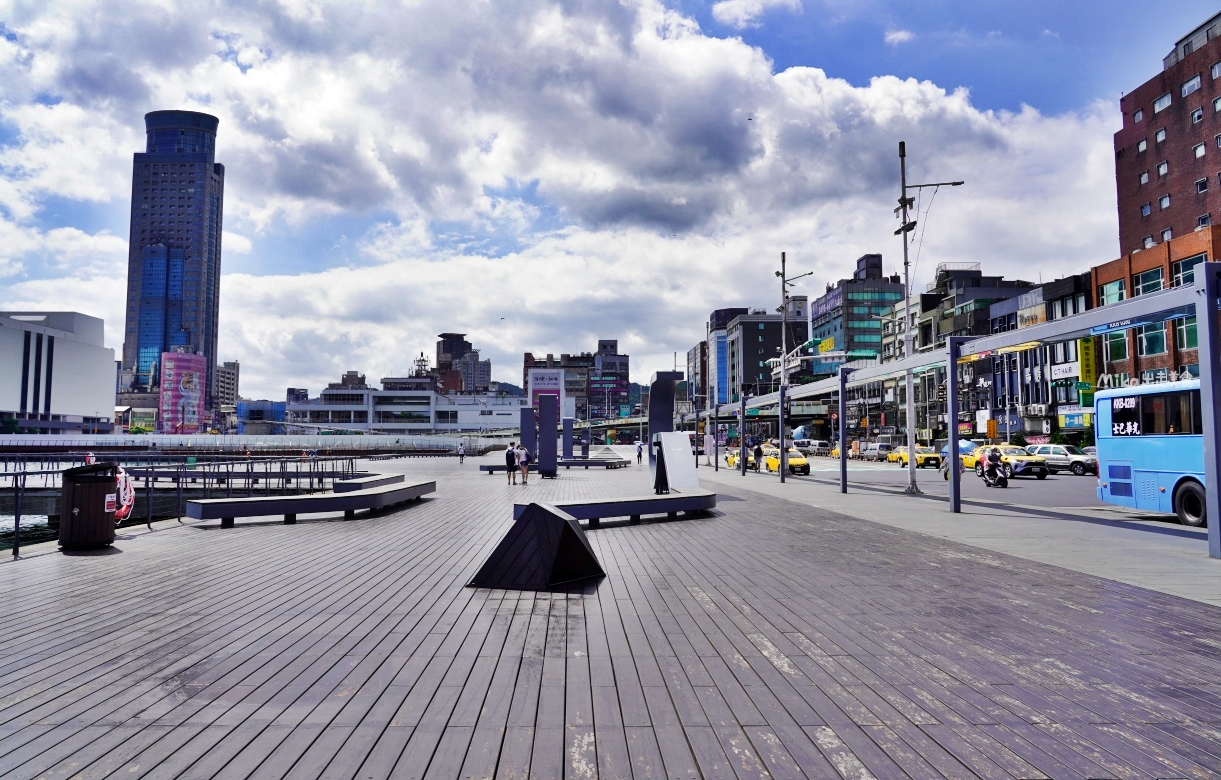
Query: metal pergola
{"points": [[1140, 310]]}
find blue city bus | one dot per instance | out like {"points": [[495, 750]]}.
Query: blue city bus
{"points": [[1151, 448]]}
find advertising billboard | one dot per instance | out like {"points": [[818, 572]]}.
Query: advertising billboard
{"points": [[182, 393], [545, 380]]}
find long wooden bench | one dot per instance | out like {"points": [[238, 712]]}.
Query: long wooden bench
{"points": [[366, 481], [495, 467], [378, 497], [610, 463], [632, 507]]}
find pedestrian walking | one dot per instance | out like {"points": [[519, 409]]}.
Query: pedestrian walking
{"points": [[758, 457], [525, 463], [511, 463], [639, 452], [461, 452]]}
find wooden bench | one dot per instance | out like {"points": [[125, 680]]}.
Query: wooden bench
{"points": [[632, 507], [379, 497], [495, 467], [366, 481], [610, 463]]}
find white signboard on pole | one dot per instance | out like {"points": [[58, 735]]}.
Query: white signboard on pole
{"points": [[545, 380]]}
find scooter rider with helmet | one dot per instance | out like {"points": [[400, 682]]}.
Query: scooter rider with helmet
{"points": [[994, 462]]}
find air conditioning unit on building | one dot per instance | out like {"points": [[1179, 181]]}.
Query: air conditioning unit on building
{"points": [[1036, 410]]}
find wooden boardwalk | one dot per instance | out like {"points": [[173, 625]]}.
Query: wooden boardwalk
{"points": [[770, 639]]}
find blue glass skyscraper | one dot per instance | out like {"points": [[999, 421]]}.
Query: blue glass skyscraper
{"points": [[173, 262]]}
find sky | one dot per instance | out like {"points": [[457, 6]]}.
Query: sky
{"points": [[543, 174]]}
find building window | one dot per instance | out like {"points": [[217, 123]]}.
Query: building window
{"points": [[1144, 177], [1163, 168], [1167, 234], [1138, 115], [1145, 210], [1151, 339], [1117, 346], [1216, 70], [1163, 202], [1162, 103], [1147, 282], [1190, 85], [1183, 271], [1199, 150], [1111, 292], [1217, 104], [1159, 136], [1142, 145], [1197, 116], [1147, 242], [1185, 333], [1203, 220], [1202, 185]]}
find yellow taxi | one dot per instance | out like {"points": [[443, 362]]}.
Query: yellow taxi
{"points": [[731, 458], [895, 455], [797, 462], [925, 456], [1015, 462]]}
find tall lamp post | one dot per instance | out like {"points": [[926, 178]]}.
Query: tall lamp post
{"points": [[906, 226], [785, 283]]}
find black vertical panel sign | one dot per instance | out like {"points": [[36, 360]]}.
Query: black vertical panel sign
{"points": [[25, 374], [46, 405], [37, 370]]}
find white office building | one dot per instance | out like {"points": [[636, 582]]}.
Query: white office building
{"points": [[55, 374], [402, 405]]}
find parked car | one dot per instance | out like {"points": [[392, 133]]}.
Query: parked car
{"points": [[1015, 462], [925, 456], [797, 462], [819, 447], [1065, 457], [731, 459], [1091, 451], [875, 451]]}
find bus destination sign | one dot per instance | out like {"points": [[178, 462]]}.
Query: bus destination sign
{"points": [[1125, 416]]}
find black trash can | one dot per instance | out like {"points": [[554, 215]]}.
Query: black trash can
{"points": [[87, 505]]}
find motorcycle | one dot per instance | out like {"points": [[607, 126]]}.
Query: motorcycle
{"points": [[993, 477]]}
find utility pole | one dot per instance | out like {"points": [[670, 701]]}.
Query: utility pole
{"points": [[906, 226], [784, 352], [784, 355]]}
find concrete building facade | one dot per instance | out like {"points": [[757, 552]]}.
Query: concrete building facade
{"points": [[1167, 154], [56, 374]]}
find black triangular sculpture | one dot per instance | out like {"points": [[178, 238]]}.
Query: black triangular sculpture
{"points": [[544, 549]]}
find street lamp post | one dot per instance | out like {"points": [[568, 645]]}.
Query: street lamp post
{"points": [[906, 226], [784, 356]]}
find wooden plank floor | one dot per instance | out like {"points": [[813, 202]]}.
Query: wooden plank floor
{"points": [[767, 640]]}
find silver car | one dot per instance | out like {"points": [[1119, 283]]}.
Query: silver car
{"points": [[1065, 457]]}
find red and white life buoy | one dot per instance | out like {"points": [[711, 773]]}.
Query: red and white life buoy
{"points": [[125, 488]]}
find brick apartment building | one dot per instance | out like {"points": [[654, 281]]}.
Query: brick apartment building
{"points": [[1150, 352], [1168, 154]]}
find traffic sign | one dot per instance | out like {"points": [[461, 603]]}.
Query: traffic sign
{"points": [[992, 429]]}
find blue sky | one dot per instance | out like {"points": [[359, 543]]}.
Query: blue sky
{"points": [[589, 170]]}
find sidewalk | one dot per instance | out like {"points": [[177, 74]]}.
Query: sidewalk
{"points": [[1150, 553]]}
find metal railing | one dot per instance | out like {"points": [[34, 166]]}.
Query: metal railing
{"points": [[178, 480]]}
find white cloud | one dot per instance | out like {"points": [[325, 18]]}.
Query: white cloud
{"points": [[895, 37], [606, 144], [236, 243], [745, 13]]}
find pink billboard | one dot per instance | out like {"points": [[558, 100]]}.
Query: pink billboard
{"points": [[182, 393]]}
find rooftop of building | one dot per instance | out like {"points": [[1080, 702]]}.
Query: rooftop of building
{"points": [[1193, 41], [81, 327]]}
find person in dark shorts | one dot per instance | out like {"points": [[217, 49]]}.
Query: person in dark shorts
{"points": [[511, 463]]}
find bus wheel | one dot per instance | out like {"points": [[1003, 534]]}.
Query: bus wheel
{"points": [[1189, 504]]}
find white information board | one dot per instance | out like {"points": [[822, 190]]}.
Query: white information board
{"points": [[679, 460]]}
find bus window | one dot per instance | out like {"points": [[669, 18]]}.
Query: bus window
{"points": [[1163, 414], [1125, 415]]}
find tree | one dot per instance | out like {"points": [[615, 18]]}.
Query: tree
{"points": [[9, 425], [1057, 438], [1018, 440]]}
